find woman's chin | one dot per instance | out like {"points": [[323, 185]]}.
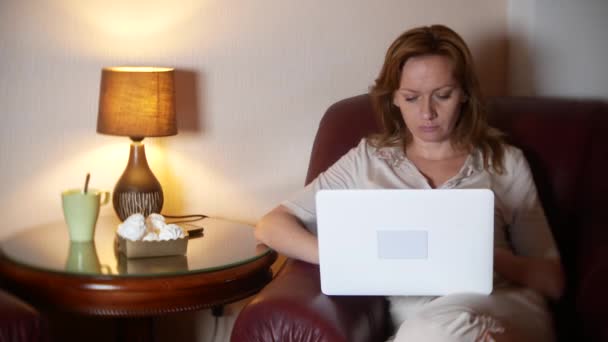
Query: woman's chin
{"points": [[431, 137]]}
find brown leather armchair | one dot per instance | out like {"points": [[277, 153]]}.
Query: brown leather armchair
{"points": [[19, 322], [566, 143]]}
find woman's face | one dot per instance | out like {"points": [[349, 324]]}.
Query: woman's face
{"points": [[429, 98]]}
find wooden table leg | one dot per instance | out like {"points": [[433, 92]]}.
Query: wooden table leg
{"points": [[139, 329], [217, 311]]}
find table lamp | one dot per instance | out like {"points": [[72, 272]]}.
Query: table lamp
{"points": [[137, 102]]}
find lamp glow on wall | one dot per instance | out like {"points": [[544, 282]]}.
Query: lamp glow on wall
{"points": [[137, 102]]}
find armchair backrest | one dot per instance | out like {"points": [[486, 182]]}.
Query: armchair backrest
{"points": [[565, 141]]}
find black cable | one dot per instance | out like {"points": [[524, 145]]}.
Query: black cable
{"points": [[194, 230], [191, 218]]}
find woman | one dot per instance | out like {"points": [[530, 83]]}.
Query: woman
{"points": [[435, 135]]}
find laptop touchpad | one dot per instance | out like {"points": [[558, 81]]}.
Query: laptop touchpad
{"points": [[402, 244]]}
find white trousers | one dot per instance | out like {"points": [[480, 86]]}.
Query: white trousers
{"points": [[508, 314]]}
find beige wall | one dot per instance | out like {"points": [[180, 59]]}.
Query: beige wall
{"points": [[558, 48], [254, 78]]}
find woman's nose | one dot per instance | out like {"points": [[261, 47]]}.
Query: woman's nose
{"points": [[428, 110]]}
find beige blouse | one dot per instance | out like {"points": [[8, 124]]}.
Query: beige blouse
{"points": [[519, 219]]}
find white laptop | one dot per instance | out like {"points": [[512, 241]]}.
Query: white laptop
{"points": [[405, 242]]}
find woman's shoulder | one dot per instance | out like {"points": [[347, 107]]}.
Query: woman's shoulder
{"points": [[387, 153], [363, 150], [512, 153], [369, 146], [513, 158]]}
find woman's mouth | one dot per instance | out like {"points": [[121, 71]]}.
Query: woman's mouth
{"points": [[429, 129]]}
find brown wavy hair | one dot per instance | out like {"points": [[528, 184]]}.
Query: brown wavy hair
{"points": [[471, 129]]}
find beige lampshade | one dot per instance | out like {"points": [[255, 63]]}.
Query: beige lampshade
{"points": [[137, 102]]}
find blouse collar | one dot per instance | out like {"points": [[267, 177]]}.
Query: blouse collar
{"points": [[395, 156]]}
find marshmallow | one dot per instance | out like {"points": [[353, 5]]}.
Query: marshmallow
{"points": [[155, 222], [133, 228], [151, 236], [171, 232]]}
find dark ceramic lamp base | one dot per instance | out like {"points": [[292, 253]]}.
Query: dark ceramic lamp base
{"points": [[137, 190], [129, 203]]}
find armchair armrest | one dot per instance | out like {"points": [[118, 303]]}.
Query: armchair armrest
{"points": [[18, 320], [592, 301], [591, 298], [292, 308]]}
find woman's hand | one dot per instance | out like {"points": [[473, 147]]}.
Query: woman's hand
{"points": [[543, 275]]}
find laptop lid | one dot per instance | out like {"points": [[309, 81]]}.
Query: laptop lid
{"points": [[405, 242]]}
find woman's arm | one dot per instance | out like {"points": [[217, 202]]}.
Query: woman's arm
{"points": [[543, 275], [528, 231], [284, 233]]}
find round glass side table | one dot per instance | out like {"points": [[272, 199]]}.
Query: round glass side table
{"points": [[223, 265]]}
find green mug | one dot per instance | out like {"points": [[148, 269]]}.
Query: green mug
{"points": [[81, 210], [82, 258]]}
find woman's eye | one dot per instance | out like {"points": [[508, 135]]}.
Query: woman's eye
{"points": [[444, 96], [411, 98]]}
